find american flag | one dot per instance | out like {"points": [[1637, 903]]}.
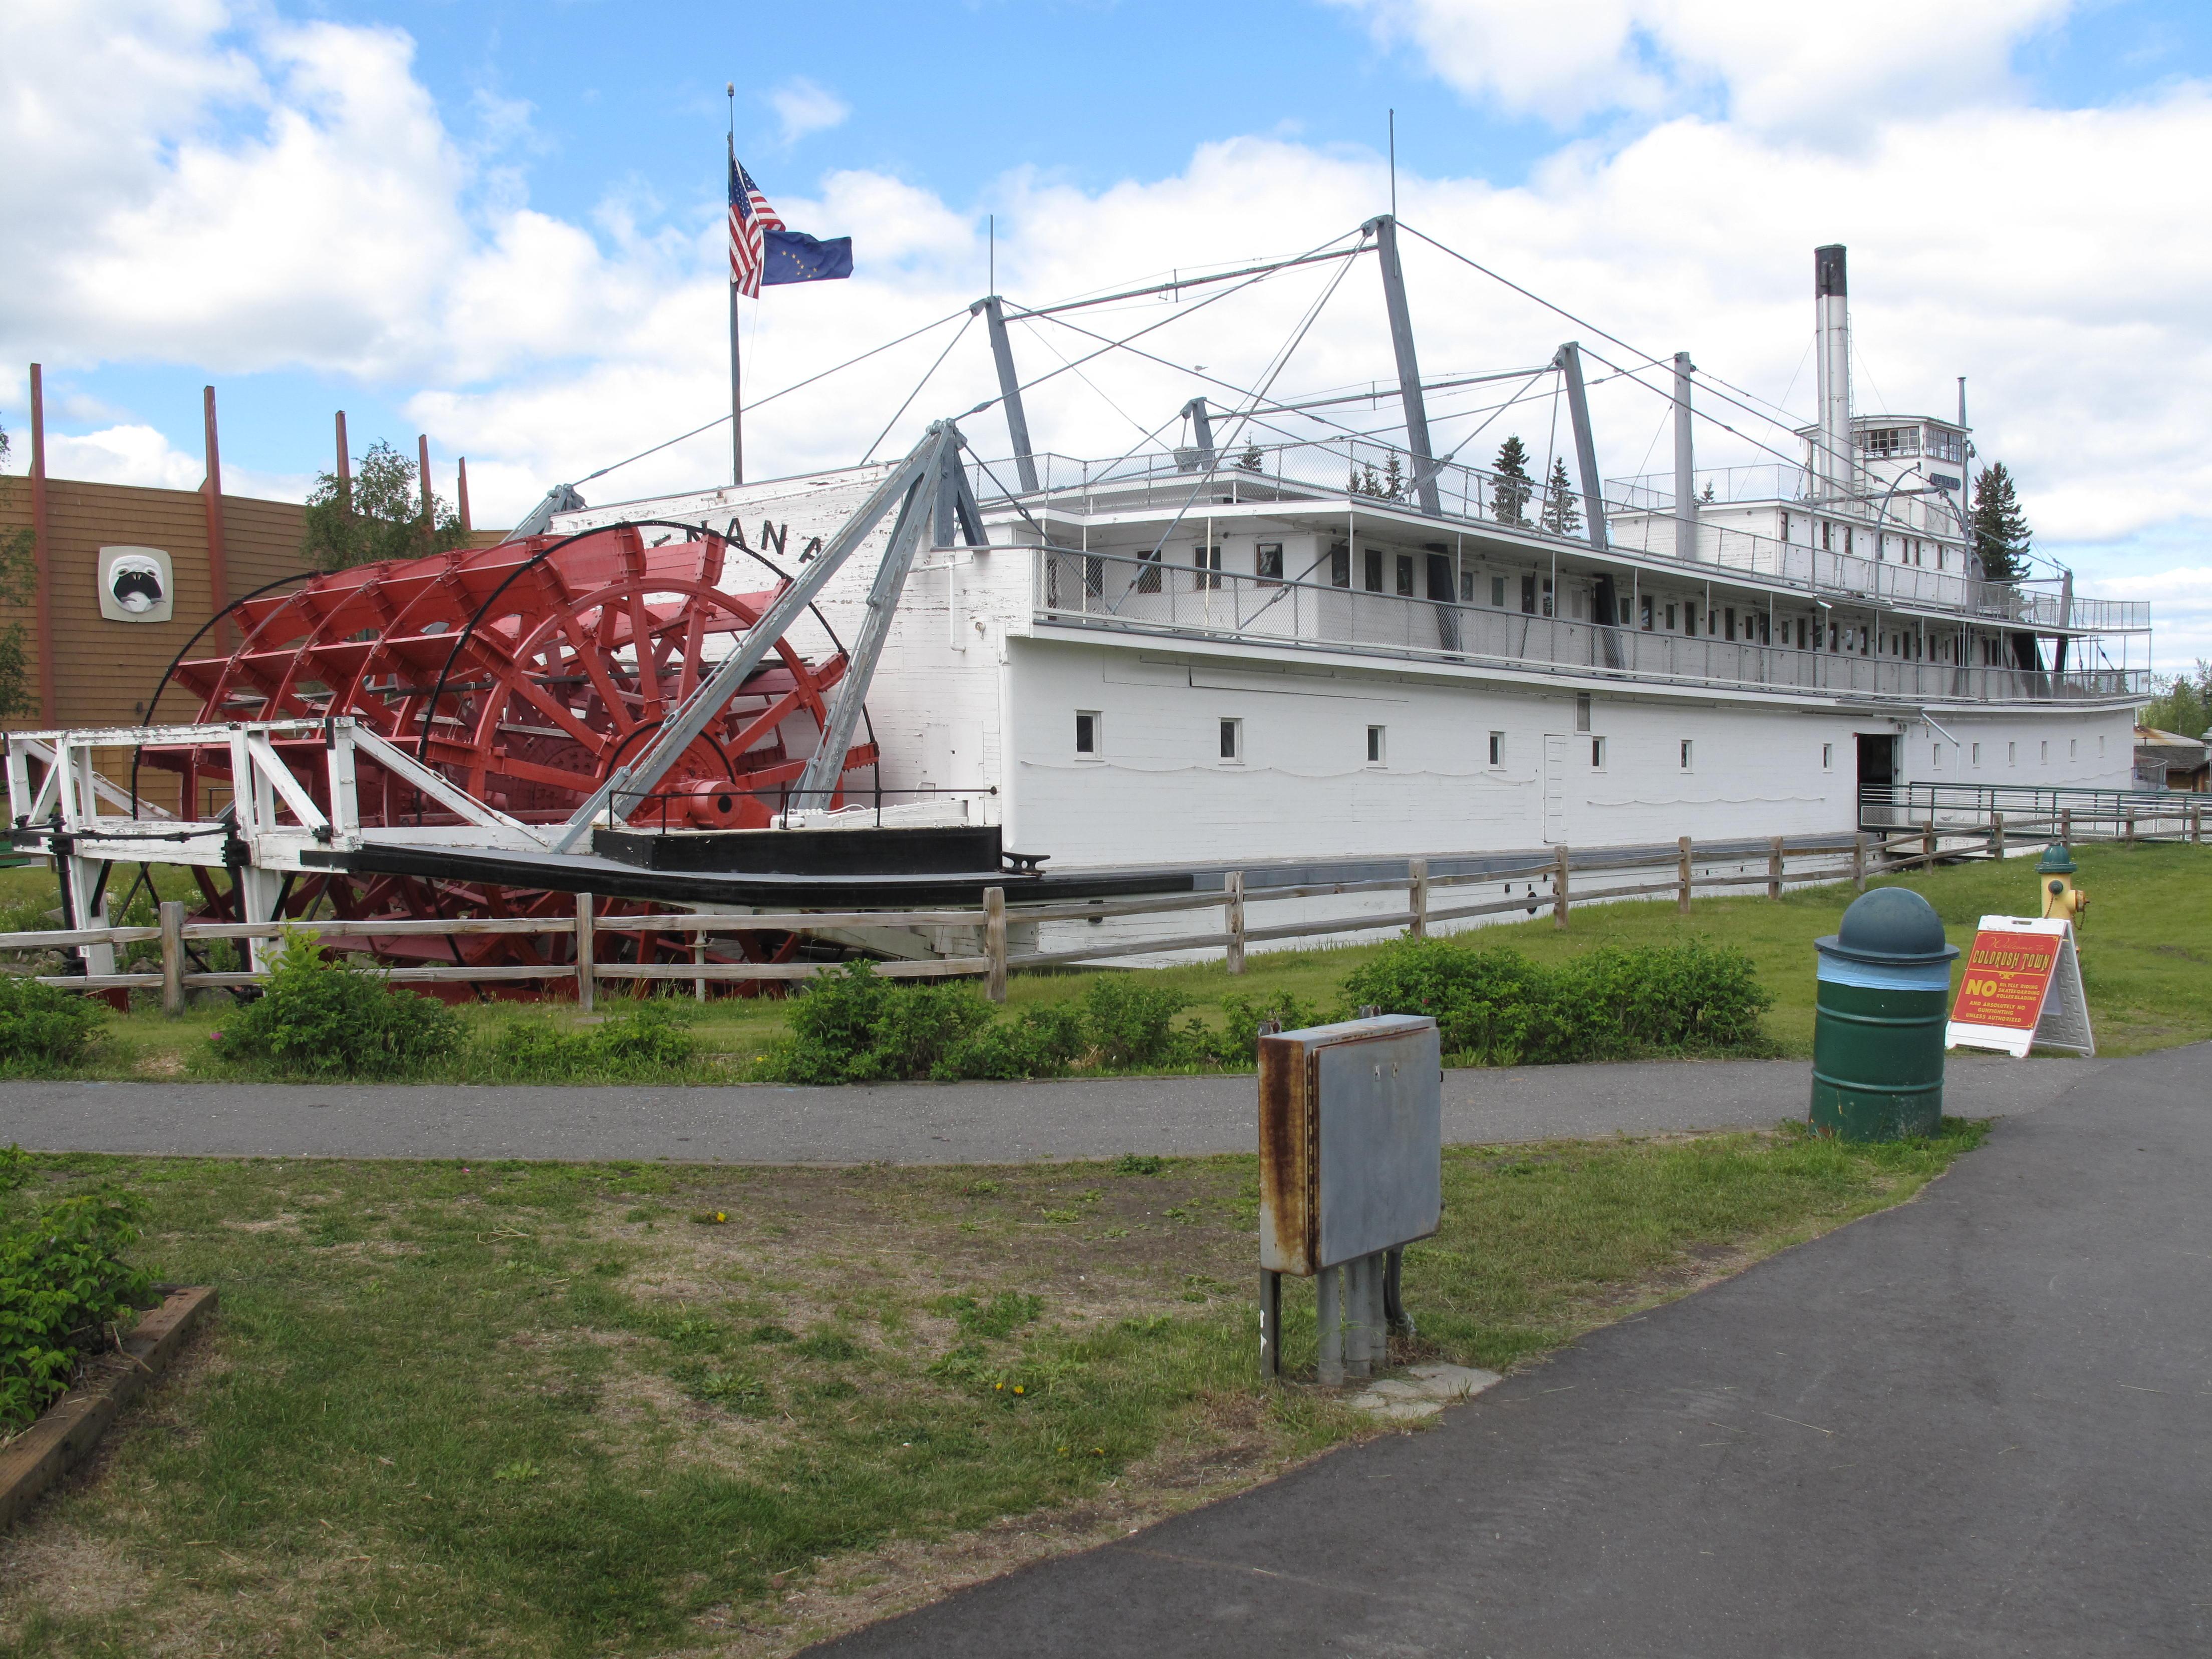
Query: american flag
{"points": [[751, 218]]}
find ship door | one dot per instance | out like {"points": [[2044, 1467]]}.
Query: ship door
{"points": [[1555, 788], [1877, 776]]}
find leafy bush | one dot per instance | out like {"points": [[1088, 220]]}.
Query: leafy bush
{"points": [[1239, 1041], [1041, 1042], [1497, 1008], [1131, 1020], [321, 1018], [62, 1283], [44, 1027], [643, 1043], [855, 1026]]}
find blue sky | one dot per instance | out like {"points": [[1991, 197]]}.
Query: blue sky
{"points": [[1997, 165]]}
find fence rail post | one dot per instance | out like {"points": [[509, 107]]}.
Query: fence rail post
{"points": [[1997, 837], [1416, 895], [1928, 846], [994, 942], [2066, 825], [172, 956], [587, 985], [1859, 861], [2197, 824], [1559, 867], [1233, 918], [2130, 836], [1774, 869], [1682, 886]]}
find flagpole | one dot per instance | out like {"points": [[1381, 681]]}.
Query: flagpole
{"points": [[737, 395]]}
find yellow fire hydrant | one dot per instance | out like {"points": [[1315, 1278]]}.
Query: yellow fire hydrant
{"points": [[2054, 877]]}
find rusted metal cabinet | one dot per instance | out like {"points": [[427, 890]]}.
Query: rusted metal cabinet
{"points": [[1351, 1171]]}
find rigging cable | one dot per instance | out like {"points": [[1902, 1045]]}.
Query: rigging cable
{"points": [[958, 334]]}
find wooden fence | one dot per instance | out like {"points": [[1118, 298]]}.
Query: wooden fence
{"points": [[1571, 879]]}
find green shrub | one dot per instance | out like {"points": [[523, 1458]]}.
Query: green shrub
{"points": [[319, 1018], [44, 1027], [1131, 1020], [63, 1284], [1239, 1041], [856, 1026], [646, 1043], [1497, 1008], [1042, 1043]]}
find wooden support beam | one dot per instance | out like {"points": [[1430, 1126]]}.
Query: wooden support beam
{"points": [[218, 553], [1233, 884], [42, 552]]}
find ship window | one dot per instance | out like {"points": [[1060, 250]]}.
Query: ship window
{"points": [[1232, 740], [1406, 574], [1339, 565], [1583, 712], [1892, 441], [1094, 575], [1827, 757], [1148, 580], [1685, 754], [2012, 754], [1646, 616], [1086, 732], [1828, 536], [2100, 748], [2043, 758], [1800, 633], [1498, 592], [1729, 613], [1597, 754], [1206, 561], [1467, 587], [1935, 755], [1497, 749], [1785, 527], [1945, 445], [1978, 754], [1528, 595], [1373, 572], [1547, 596], [2073, 747], [1377, 747], [1670, 619], [1268, 563]]}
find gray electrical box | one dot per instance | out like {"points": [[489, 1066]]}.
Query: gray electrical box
{"points": [[1350, 1141]]}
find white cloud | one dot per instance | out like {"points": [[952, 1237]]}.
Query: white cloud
{"points": [[288, 197], [802, 109], [133, 453], [1814, 71]]}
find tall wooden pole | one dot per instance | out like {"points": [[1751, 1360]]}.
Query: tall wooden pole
{"points": [[461, 490], [345, 469], [218, 563], [422, 474], [42, 551]]}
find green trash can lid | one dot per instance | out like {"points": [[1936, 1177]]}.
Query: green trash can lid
{"points": [[1892, 925], [2056, 861]]}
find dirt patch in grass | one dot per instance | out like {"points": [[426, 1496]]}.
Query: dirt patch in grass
{"points": [[540, 1410]]}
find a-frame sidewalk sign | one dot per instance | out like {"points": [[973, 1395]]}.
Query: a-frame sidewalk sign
{"points": [[2021, 989]]}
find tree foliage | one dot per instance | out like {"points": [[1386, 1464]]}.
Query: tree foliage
{"points": [[1514, 489], [381, 517], [1561, 513], [2182, 703], [2001, 537]]}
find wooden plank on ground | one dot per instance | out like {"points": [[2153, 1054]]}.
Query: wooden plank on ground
{"points": [[43, 1453]]}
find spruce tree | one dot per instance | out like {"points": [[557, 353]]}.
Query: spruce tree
{"points": [[1514, 489], [1561, 516], [2000, 531], [384, 519]]}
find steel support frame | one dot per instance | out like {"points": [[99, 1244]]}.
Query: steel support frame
{"points": [[1010, 390], [1385, 231], [1570, 362]]}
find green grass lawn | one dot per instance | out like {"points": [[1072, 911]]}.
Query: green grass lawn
{"points": [[539, 1409], [2145, 946]]}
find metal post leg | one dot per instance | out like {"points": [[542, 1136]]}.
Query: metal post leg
{"points": [[1271, 1325], [1329, 1316], [1359, 1320]]}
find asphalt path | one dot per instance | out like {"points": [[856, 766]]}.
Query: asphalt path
{"points": [[912, 1123], [1978, 1424]]}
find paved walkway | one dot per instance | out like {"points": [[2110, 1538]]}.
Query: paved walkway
{"points": [[1980, 1424], [910, 1124]]}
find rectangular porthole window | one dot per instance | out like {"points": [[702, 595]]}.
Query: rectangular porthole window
{"points": [[1935, 755], [1645, 616], [1086, 732], [1498, 592], [2073, 748], [1373, 563], [1528, 596], [1377, 747], [2100, 748], [1467, 587], [2043, 755], [1978, 754], [1686, 746], [1232, 740], [2012, 754], [1148, 578], [1206, 563], [1597, 754], [1497, 749], [1670, 619], [1339, 564], [1583, 711], [1827, 757], [1406, 574], [1268, 562]]}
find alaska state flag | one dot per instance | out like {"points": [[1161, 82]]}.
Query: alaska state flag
{"points": [[792, 256]]}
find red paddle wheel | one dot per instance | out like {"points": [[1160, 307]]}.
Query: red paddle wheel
{"points": [[524, 673]]}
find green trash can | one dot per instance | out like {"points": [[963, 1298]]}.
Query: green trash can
{"points": [[1884, 997]]}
